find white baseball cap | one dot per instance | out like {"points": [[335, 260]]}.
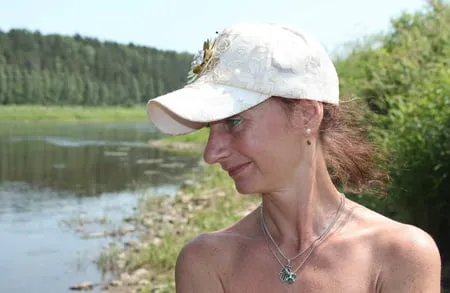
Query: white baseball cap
{"points": [[241, 67]]}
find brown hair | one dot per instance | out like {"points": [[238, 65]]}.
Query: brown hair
{"points": [[354, 162]]}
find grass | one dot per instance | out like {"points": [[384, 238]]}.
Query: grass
{"points": [[192, 143], [35, 113], [197, 137]]}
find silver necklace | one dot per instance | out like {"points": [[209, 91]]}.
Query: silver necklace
{"points": [[286, 274]]}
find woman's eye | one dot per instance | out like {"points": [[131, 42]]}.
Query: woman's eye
{"points": [[234, 122]]}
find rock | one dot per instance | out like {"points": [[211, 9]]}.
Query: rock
{"points": [[221, 193], [133, 243], [135, 278], [189, 183], [183, 220], [94, 235], [168, 219], [147, 222], [159, 288], [121, 264], [129, 219], [200, 201], [141, 273], [127, 229], [158, 219], [84, 286], [156, 241], [143, 282], [125, 278], [131, 281], [122, 256], [115, 283], [123, 230]]}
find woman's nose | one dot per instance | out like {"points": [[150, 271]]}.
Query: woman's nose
{"points": [[217, 147]]}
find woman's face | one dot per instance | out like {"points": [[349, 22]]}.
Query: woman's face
{"points": [[259, 148]]}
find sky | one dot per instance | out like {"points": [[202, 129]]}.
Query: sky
{"points": [[184, 25]]}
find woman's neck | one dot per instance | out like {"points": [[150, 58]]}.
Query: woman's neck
{"points": [[298, 214]]}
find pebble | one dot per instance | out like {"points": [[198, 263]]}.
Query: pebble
{"points": [[156, 241], [140, 273], [84, 286]]}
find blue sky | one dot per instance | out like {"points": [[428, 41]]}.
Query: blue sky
{"points": [[184, 25]]}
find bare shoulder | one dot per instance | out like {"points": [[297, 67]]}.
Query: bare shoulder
{"points": [[408, 255], [196, 268], [412, 260], [202, 261]]}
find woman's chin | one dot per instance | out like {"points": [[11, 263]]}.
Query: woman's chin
{"points": [[246, 188]]}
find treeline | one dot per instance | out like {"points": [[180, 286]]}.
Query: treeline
{"points": [[54, 69]]}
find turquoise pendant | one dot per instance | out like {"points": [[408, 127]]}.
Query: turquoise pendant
{"points": [[287, 276]]}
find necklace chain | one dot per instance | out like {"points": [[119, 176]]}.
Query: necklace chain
{"points": [[287, 274]]}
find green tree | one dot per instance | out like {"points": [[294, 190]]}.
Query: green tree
{"points": [[404, 78], [3, 85]]}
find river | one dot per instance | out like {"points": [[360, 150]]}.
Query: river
{"points": [[58, 177]]}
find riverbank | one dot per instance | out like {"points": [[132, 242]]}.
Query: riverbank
{"points": [[146, 263], [36, 113]]}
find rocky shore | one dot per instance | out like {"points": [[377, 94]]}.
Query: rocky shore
{"points": [[144, 260]]}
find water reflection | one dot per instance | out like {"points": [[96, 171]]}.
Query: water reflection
{"points": [[76, 162], [53, 173]]}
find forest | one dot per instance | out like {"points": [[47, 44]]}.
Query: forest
{"points": [[62, 70]]}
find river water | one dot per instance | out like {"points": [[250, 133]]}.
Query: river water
{"points": [[55, 177]]}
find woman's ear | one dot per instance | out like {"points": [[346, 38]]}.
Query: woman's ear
{"points": [[312, 114]]}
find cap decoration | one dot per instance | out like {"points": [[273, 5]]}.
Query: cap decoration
{"points": [[202, 59]]}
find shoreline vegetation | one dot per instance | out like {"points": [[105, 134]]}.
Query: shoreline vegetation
{"points": [[189, 143], [40, 113], [207, 201]]}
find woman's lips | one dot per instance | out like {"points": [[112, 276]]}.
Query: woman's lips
{"points": [[238, 169]]}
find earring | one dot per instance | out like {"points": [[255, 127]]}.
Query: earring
{"points": [[308, 132]]}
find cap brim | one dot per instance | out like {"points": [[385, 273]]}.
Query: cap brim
{"points": [[192, 107]]}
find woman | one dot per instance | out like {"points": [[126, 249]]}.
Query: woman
{"points": [[269, 94]]}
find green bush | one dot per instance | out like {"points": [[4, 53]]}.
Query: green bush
{"points": [[405, 78], [419, 144]]}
